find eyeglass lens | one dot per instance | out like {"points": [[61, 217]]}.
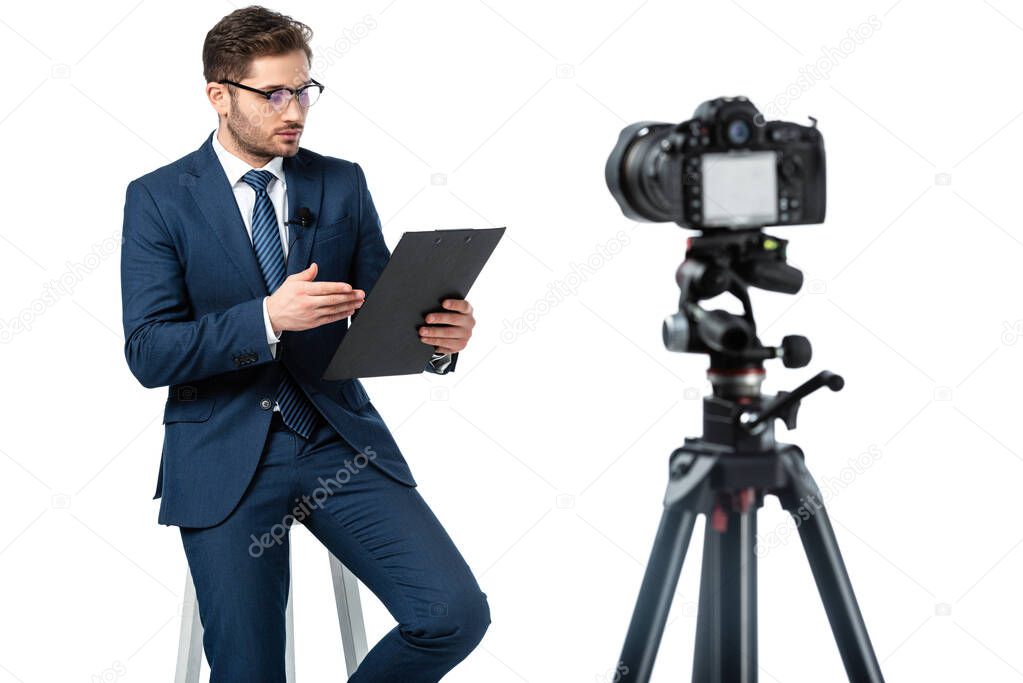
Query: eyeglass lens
{"points": [[307, 96]]}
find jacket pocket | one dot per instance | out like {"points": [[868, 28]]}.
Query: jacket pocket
{"points": [[335, 229], [195, 410]]}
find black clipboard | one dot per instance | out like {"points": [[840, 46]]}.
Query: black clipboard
{"points": [[424, 269]]}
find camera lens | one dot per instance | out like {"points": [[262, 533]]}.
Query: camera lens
{"points": [[638, 173], [738, 132]]}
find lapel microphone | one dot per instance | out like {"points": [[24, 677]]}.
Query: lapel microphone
{"points": [[304, 218]]}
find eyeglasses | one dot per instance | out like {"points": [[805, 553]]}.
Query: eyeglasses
{"points": [[280, 98]]}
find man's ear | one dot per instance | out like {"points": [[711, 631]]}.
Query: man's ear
{"points": [[219, 97]]}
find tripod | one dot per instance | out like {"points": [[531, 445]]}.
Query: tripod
{"points": [[726, 473]]}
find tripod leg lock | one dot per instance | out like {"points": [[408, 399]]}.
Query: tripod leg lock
{"points": [[680, 463]]}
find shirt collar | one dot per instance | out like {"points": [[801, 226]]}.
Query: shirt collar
{"points": [[235, 167]]}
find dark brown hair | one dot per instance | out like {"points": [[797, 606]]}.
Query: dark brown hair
{"points": [[247, 33]]}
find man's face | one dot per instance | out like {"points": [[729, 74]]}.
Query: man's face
{"points": [[257, 128]]}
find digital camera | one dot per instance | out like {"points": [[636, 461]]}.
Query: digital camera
{"points": [[726, 168]]}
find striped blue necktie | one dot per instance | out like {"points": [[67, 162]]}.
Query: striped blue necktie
{"points": [[296, 410]]}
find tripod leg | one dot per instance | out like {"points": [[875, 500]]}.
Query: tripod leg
{"points": [[662, 571], [726, 624], [802, 499]]}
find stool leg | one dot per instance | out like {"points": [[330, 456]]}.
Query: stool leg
{"points": [[349, 614], [190, 640], [289, 617]]}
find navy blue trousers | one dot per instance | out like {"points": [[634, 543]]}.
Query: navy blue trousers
{"points": [[380, 528]]}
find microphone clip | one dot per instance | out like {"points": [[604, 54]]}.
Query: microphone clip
{"points": [[304, 218]]}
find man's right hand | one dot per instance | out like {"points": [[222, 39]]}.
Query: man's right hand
{"points": [[301, 304]]}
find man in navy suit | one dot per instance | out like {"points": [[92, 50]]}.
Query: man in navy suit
{"points": [[241, 265]]}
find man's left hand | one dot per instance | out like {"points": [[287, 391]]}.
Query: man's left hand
{"points": [[450, 331]]}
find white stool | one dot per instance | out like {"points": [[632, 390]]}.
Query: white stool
{"points": [[349, 615]]}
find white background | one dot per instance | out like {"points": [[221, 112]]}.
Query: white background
{"points": [[545, 453]]}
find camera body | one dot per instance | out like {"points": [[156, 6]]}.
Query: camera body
{"points": [[726, 168]]}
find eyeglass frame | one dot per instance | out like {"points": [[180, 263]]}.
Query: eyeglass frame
{"points": [[269, 93]]}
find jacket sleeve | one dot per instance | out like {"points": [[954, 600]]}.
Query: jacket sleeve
{"points": [[372, 254], [163, 344]]}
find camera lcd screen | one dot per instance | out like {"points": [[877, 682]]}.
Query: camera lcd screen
{"points": [[740, 189]]}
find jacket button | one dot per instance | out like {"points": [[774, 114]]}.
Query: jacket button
{"points": [[266, 404]]}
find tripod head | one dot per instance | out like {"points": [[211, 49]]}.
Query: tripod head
{"points": [[732, 261]]}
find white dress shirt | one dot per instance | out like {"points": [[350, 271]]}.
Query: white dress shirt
{"points": [[235, 168]]}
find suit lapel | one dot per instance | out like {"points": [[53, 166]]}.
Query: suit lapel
{"points": [[212, 192], [305, 189]]}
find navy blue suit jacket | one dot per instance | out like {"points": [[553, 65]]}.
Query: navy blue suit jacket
{"points": [[192, 295]]}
